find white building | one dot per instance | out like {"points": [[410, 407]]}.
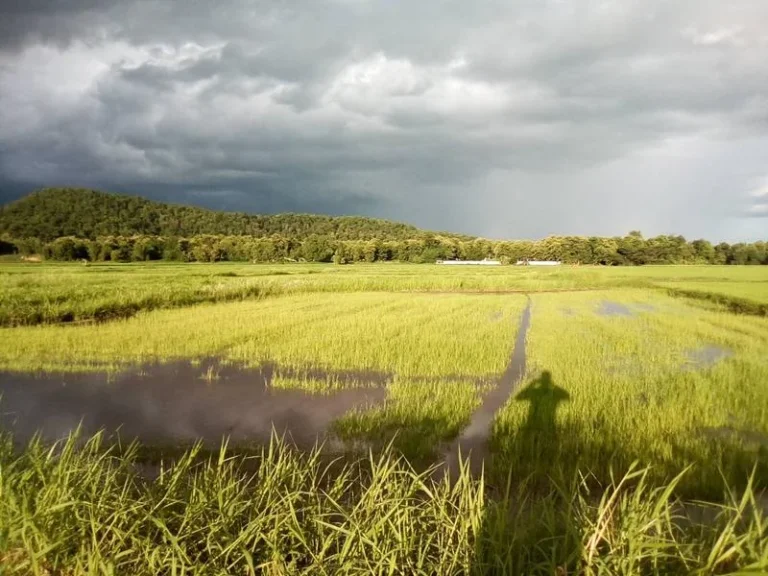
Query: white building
{"points": [[470, 262], [538, 263]]}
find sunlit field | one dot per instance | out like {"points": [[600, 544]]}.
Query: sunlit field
{"points": [[631, 436], [620, 376], [411, 335], [52, 293]]}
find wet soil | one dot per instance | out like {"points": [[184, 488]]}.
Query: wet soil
{"points": [[175, 403], [472, 444], [751, 438], [611, 308], [706, 356], [491, 292]]}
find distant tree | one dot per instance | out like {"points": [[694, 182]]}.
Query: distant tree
{"points": [[66, 248], [355, 252], [146, 248], [172, 249], [704, 252], [205, 248], [29, 246], [633, 249], [604, 251], [738, 254], [122, 253], [370, 250], [94, 248], [340, 255], [761, 249], [317, 248]]}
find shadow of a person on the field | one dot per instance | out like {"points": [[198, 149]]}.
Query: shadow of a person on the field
{"points": [[539, 433]]}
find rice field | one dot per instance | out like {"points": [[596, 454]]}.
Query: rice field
{"points": [[49, 293], [407, 334], [636, 375], [622, 430]]}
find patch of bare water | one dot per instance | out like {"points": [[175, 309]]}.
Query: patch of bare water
{"points": [[179, 402], [706, 356], [611, 308]]}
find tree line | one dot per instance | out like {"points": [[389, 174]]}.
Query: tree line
{"points": [[632, 249], [76, 224]]}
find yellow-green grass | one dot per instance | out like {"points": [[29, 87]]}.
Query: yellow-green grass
{"points": [[635, 391], [320, 384], [417, 418], [52, 293], [756, 291], [690, 273], [431, 335], [56, 292], [38, 294], [85, 509]]}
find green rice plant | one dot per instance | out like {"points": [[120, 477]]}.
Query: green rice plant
{"points": [[418, 417], [411, 335], [731, 302], [636, 387], [66, 294], [57, 292], [211, 374], [325, 384]]}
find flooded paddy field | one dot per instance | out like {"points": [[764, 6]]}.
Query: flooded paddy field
{"points": [[635, 374], [311, 361], [514, 409], [181, 402]]}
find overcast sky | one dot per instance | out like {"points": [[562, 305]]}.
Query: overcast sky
{"points": [[496, 118]]}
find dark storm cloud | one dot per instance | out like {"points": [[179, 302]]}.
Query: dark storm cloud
{"points": [[596, 117]]}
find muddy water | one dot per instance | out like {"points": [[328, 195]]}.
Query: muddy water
{"points": [[173, 402], [706, 356], [751, 438], [473, 441], [610, 308]]}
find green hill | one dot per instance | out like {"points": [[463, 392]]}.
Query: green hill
{"points": [[55, 212]]}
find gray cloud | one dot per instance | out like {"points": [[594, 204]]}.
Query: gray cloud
{"points": [[507, 121], [758, 205]]}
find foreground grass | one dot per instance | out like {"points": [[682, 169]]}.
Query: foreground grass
{"points": [[668, 384], [83, 510], [55, 292]]}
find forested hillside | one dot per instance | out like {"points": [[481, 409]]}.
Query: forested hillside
{"points": [[69, 224], [56, 212]]}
